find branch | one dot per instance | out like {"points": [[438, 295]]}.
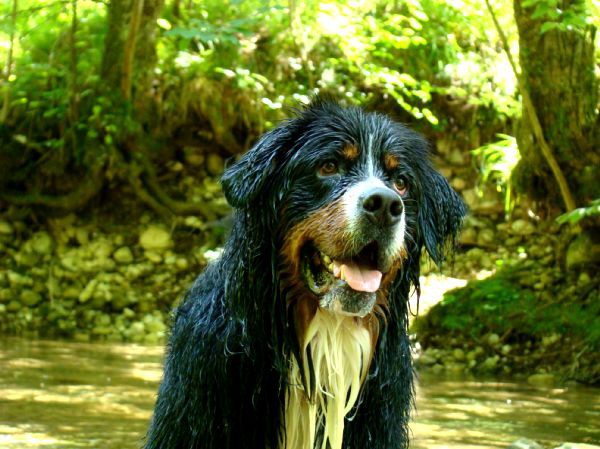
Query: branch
{"points": [[565, 192]]}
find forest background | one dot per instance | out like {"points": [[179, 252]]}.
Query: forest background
{"points": [[117, 118]]}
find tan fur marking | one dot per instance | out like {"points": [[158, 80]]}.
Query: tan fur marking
{"points": [[350, 152], [391, 161]]}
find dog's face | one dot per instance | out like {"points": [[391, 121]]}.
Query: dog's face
{"points": [[351, 198]]}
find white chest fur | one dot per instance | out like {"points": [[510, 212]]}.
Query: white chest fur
{"points": [[340, 348]]}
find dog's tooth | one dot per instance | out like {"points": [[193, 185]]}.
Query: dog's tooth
{"points": [[336, 269], [330, 267], [326, 259]]}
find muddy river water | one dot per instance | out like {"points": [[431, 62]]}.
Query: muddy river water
{"points": [[56, 394]]}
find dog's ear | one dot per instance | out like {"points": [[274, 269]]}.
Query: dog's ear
{"points": [[441, 211], [243, 180]]}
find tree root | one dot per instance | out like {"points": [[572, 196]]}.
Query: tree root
{"points": [[207, 211], [76, 199]]}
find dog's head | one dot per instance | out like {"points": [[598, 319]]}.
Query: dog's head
{"points": [[348, 198]]}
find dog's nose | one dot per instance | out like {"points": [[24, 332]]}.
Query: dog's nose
{"points": [[382, 206]]}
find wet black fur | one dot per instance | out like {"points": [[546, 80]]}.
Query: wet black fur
{"points": [[225, 374]]}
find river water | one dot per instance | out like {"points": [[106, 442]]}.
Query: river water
{"points": [[56, 394]]}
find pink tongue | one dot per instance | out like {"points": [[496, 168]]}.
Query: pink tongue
{"points": [[361, 279]]}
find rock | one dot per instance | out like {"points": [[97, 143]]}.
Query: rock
{"points": [[577, 446], [123, 255], [18, 280], [30, 298], [524, 443], [486, 236], [155, 238], [490, 363], [493, 339], [41, 243], [153, 257], [544, 380], [584, 278], [468, 236], [214, 164], [456, 157], [471, 198], [427, 359], [6, 228], [193, 156], [522, 227], [458, 184], [458, 354]]}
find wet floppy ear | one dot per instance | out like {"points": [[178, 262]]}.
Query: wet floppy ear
{"points": [[440, 215], [243, 181]]}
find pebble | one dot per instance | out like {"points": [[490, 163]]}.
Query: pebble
{"points": [[524, 443], [522, 227], [123, 255], [6, 228], [493, 339], [30, 297], [544, 380], [155, 238]]}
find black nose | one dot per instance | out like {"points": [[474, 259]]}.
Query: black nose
{"points": [[382, 206]]}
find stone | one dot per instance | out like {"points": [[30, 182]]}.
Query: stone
{"points": [[493, 339], [468, 236], [543, 380], [458, 184], [577, 446], [456, 157], [155, 238], [6, 228], [30, 297], [490, 363], [522, 227], [524, 443], [41, 243], [214, 164], [486, 236], [471, 198], [458, 354], [123, 255]]}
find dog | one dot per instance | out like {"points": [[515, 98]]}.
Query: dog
{"points": [[296, 337]]}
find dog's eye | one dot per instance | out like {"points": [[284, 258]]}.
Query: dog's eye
{"points": [[328, 168], [401, 185]]}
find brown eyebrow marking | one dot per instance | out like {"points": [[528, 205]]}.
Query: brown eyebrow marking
{"points": [[350, 151], [391, 161]]}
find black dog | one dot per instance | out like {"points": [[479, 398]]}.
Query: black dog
{"points": [[297, 336]]}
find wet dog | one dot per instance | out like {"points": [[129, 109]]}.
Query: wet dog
{"points": [[297, 336]]}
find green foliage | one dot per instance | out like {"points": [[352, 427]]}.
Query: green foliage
{"points": [[575, 216], [497, 161], [558, 15], [233, 68]]}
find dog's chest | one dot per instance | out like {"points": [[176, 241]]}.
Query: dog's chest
{"points": [[339, 348]]}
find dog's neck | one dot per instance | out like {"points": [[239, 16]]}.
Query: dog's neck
{"points": [[340, 349]]}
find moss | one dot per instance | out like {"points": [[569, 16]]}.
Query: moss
{"points": [[502, 306]]}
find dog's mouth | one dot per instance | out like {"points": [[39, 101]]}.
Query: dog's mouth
{"points": [[344, 284]]}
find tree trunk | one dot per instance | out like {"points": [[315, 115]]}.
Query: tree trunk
{"points": [[9, 63], [558, 72], [121, 69]]}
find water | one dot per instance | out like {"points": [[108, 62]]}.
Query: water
{"points": [[65, 395]]}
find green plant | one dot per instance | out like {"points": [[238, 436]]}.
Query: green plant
{"points": [[497, 160], [575, 216]]}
